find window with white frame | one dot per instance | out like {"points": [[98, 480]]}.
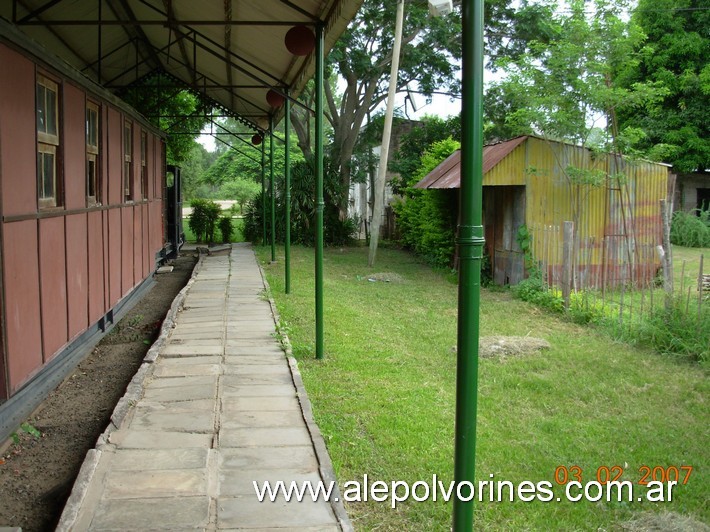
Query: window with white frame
{"points": [[92, 153], [144, 165], [127, 161], [48, 147]]}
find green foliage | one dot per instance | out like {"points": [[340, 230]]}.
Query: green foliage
{"points": [[407, 160], [675, 57], [586, 176], [192, 169], [690, 230], [336, 231], [677, 331], [226, 229], [186, 112], [535, 290], [427, 218], [203, 219], [561, 86], [241, 190]]}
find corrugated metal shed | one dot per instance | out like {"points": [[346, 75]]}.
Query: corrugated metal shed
{"points": [[231, 51], [527, 181]]}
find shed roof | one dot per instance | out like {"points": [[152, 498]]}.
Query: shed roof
{"points": [[448, 174], [230, 51]]}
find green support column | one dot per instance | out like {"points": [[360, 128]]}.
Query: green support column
{"points": [[271, 188], [287, 185], [319, 191], [263, 193], [470, 242]]}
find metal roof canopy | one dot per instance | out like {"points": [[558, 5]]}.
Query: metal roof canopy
{"points": [[231, 52], [447, 174]]}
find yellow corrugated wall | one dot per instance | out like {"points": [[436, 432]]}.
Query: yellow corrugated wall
{"points": [[617, 227]]}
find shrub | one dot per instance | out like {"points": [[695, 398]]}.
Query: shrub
{"points": [[690, 230], [534, 290], [427, 218], [226, 228], [203, 219]]}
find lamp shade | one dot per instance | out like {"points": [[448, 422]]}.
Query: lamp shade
{"points": [[300, 40], [256, 139], [274, 99]]}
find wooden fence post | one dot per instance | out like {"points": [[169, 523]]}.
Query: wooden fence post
{"points": [[666, 256], [567, 243]]}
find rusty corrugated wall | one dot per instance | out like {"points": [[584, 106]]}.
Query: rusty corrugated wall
{"points": [[617, 225]]}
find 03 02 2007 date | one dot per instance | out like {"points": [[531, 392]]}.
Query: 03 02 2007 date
{"points": [[605, 474]]}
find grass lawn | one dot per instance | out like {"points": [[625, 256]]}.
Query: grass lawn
{"points": [[384, 396]]}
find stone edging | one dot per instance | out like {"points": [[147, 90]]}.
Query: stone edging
{"points": [[123, 407], [325, 465]]}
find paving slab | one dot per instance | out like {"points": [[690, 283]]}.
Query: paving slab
{"points": [[218, 408]]}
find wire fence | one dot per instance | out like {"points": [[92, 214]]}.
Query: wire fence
{"points": [[592, 275]]}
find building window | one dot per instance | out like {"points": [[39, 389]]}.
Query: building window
{"points": [[127, 161], [47, 102], [144, 165], [92, 153]]}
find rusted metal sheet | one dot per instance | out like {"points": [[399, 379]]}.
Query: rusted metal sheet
{"points": [[447, 175]]}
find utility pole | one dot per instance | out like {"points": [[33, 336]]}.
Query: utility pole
{"points": [[379, 191]]}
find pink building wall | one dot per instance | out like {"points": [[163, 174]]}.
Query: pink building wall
{"points": [[62, 270]]}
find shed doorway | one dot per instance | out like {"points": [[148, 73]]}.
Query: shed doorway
{"points": [[503, 214]]}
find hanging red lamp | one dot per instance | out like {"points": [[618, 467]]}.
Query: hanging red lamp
{"points": [[274, 99], [300, 40], [256, 139]]}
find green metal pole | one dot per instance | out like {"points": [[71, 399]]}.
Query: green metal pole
{"points": [[263, 194], [319, 191], [470, 241], [271, 188], [287, 185]]}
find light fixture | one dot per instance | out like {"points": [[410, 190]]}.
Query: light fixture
{"points": [[300, 40], [439, 8], [256, 139], [274, 99]]}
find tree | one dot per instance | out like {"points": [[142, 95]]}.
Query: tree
{"points": [[407, 160], [564, 89], [362, 58], [675, 56], [240, 190], [429, 63]]}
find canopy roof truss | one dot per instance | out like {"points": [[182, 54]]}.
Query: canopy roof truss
{"points": [[230, 52]]}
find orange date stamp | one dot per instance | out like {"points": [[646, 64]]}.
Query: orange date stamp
{"points": [[605, 474]]}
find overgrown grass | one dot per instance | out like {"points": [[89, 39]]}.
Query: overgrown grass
{"points": [[384, 396], [237, 235]]}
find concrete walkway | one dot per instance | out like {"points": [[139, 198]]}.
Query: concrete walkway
{"points": [[216, 406]]}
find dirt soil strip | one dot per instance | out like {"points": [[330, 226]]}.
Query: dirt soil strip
{"points": [[37, 473]]}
